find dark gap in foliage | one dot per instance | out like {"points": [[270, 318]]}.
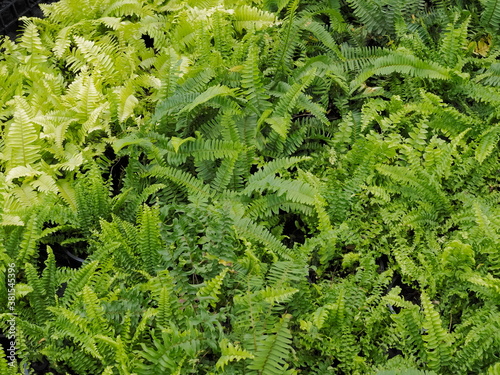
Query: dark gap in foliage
{"points": [[148, 41], [254, 169], [408, 292], [393, 352], [196, 279], [293, 229], [382, 262], [335, 270], [117, 174], [61, 290], [4, 341], [312, 276], [66, 255], [41, 367]]}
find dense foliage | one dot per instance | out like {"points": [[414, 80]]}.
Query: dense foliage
{"points": [[253, 187]]}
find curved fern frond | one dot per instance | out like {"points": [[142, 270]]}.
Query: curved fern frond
{"points": [[212, 287], [273, 167], [295, 191], [224, 174], [405, 64], [491, 77], [357, 58], [280, 120], [8, 367], [195, 186], [201, 149], [247, 228], [99, 57], [276, 295], [94, 311], [208, 94], [251, 18], [76, 327], [231, 352], [78, 281], [323, 36], [49, 279]]}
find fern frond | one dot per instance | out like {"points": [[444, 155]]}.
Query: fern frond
{"points": [[273, 352], [21, 140], [482, 334], [276, 295], [284, 274], [405, 64], [288, 42], [490, 18], [5, 365], [49, 279], [231, 352], [194, 185], [36, 297], [75, 327], [78, 281], [281, 116], [249, 229], [437, 340], [323, 36], [491, 77], [295, 191], [425, 187], [488, 141], [29, 244], [270, 205], [251, 18], [94, 311], [208, 94], [202, 149], [126, 8], [369, 14], [357, 58], [149, 239], [251, 80], [185, 93], [224, 174], [92, 200], [122, 358], [167, 300], [212, 287], [273, 167], [454, 43], [31, 42], [100, 57]]}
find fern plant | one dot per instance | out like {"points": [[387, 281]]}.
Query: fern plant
{"points": [[264, 187]]}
